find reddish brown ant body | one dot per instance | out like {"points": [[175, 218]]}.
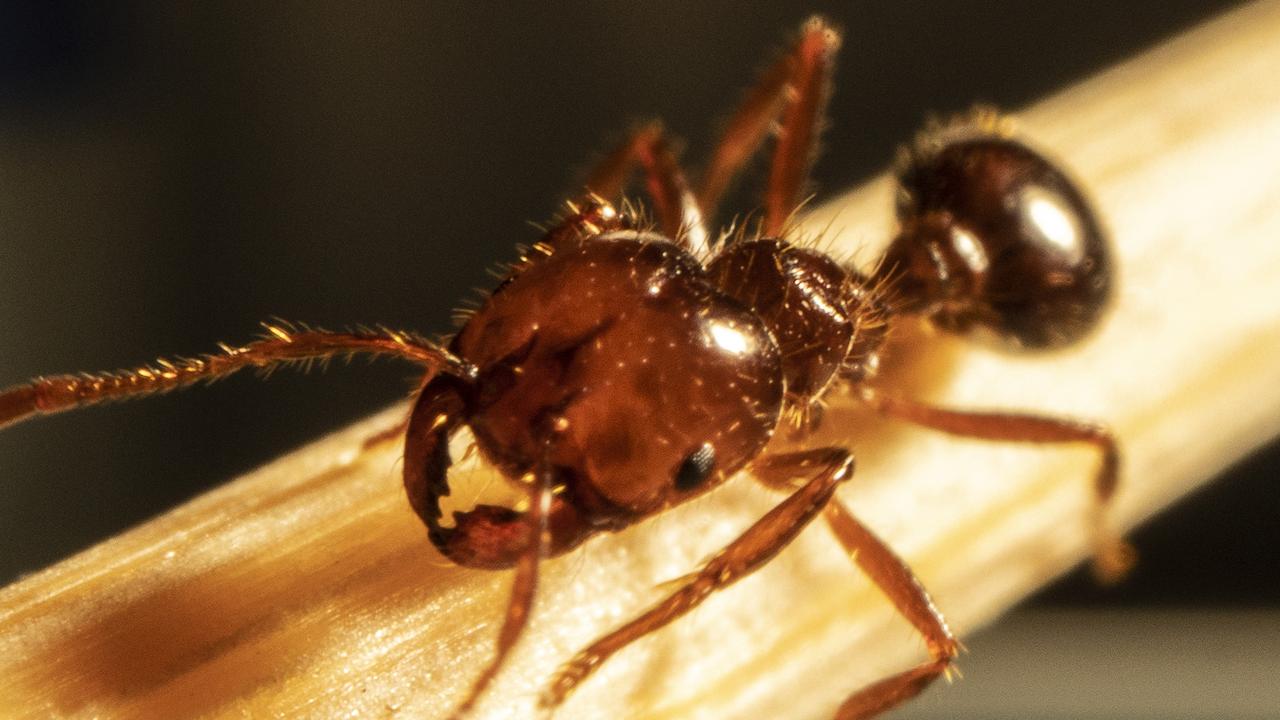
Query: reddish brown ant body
{"points": [[621, 369]]}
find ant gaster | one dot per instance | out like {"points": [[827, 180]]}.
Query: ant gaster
{"points": [[621, 369]]}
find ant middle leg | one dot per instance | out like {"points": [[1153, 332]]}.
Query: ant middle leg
{"points": [[1113, 557], [791, 94], [894, 578], [751, 550]]}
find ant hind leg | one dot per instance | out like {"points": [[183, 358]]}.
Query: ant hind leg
{"points": [[1113, 557]]}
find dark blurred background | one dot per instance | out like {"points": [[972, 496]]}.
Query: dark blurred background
{"points": [[172, 174]]}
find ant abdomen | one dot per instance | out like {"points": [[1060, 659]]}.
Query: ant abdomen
{"points": [[996, 240]]}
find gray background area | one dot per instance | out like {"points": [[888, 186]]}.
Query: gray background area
{"points": [[171, 175]]}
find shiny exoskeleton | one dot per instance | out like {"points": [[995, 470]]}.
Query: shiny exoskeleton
{"points": [[621, 368], [995, 239]]}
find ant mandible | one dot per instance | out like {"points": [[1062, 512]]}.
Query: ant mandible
{"points": [[621, 369]]}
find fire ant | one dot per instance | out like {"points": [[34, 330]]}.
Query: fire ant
{"points": [[625, 367]]}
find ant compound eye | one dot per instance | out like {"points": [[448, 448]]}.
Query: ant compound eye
{"points": [[696, 468]]}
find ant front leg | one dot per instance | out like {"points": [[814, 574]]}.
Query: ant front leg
{"points": [[679, 214], [794, 89], [488, 536], [1113, 557], [386, 435], [523, 588], [894, 578], [751, 550], [281, 345]]}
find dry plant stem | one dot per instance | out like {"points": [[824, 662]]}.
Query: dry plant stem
{"points": [[308, 587]]}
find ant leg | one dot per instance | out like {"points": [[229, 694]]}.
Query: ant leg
{"points": [[390, 434], [281, 345], [1113, 557], [523, 588], [679, 214], [488, 536], [751, 550], [894, 578], [796, 89]]}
